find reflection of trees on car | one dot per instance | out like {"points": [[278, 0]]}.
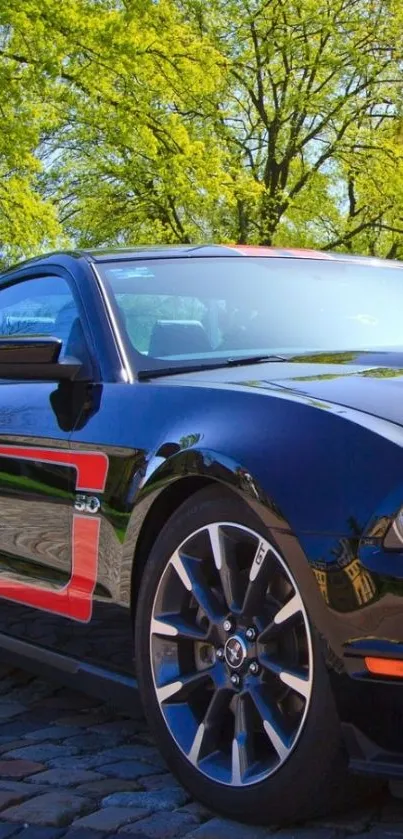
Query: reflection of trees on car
{"points": [[26, 325], [142, 311], [345, 581]]}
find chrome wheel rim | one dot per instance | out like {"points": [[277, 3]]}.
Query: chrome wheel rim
{"points": [[231, 654]]}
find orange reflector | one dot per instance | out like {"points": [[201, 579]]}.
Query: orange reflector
{"points": [[384, 666]]}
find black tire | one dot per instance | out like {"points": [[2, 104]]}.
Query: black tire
{"points": [[313, 779]]}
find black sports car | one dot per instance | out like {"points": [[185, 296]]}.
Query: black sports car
{"points": [[201, 480]]}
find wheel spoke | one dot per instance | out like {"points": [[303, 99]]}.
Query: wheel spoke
{"points": [[177, 563], [297, 680], [206, 737], [277, 740], [217, 547], [191, 573], [183, 685], [218, 707], [165, 692], [298, 683], [258, 580], [175, 626], [226, 567], [259, 559], [270, 664], [288, 613], [236, 768], [275, 733], [197, 744], [242, 745]]}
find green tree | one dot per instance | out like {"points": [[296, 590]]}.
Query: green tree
{"points": [[311, 118], [27, 219], [261, 121], [123, 162]]}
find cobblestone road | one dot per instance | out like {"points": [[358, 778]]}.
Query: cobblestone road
{"points": [[76, 768]]}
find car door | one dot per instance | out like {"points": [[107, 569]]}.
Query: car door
{"points": [[41, 541]]}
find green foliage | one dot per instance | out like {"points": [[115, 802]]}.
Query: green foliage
{"points": [[27, 219], [311, 118], [123, 163], [129, 121]]}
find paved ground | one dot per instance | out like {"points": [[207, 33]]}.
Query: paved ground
{"points": [[76, 768]]}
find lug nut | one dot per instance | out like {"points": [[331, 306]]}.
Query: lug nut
{"points": [[251, 633], [220, 654], [235, 680], [227, 626], [254, 668]]}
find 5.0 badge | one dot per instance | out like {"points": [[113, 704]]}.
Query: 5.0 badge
{"points": [[87, 503]]}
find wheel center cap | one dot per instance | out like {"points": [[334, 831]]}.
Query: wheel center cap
{"points": [[235, 652]]}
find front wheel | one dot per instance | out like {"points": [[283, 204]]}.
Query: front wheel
{"points": [[230, 670]]}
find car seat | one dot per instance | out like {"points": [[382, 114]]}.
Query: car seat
{"points": [[178, 337]]}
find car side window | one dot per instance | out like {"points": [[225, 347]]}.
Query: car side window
{"points": [[42, 306]]}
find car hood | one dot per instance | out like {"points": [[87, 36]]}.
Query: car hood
{"points": [[371, 382]]}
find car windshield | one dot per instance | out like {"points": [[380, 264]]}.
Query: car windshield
{"points": [[204, 311]]}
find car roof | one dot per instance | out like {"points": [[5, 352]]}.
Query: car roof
{"points": [[99, 255], [165, 251]]}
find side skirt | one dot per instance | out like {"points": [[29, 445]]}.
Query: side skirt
{"points": [[367, 758], [105, 684]]}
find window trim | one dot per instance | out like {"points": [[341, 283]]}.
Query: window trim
{"points": [[117, 327]]}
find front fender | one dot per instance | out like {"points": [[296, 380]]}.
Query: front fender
{"points": [[196, 463], [315, 478], [213, 466]]}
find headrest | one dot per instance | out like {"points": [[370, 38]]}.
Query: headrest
{"points": [[178, 337]]}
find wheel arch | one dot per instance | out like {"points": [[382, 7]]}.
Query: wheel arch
{"points": [[165, 486], [170, 485], [161, 510]]}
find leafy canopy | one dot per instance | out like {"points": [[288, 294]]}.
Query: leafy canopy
{"points": [[261, 121]]}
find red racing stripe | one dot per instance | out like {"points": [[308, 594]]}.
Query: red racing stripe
{"points": [[75, 599], [257, 250], [92, 467]]}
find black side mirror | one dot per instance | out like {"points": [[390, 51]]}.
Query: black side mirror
{"points": [[31, 359]]}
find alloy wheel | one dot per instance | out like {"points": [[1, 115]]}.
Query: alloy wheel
{"points": [[231, 654]]}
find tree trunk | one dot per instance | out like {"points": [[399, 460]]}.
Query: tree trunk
{"points": [[271, 211]]}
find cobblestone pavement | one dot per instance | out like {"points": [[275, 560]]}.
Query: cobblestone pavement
{"points": [[73, 767]]}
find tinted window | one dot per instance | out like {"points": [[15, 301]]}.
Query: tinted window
{"points": [[43, 306], [184, 310]]}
